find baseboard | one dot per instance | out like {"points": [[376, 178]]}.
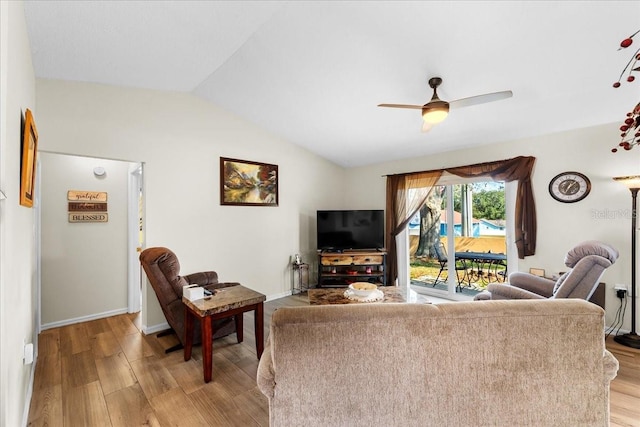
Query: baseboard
{"points": [[148, 330], [83, 319], [280, 295]]}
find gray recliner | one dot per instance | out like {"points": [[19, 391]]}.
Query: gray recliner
{"points": [[587, 261]]}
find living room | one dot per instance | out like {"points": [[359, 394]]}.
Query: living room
{"points": [[180, 137]]}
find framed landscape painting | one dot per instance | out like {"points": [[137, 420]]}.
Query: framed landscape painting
{"points": [[28, 165], [245, 183]]}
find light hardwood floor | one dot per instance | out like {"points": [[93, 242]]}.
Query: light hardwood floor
{"points": [[106, 373]]}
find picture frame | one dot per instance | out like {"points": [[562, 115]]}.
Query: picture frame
{"points": [[536, 272], [248, 183], [28, 165]]}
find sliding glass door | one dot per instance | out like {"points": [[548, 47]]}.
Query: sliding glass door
{"points": [[458, 239]]}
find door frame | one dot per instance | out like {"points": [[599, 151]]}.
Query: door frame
{"points": [[135, 224]]}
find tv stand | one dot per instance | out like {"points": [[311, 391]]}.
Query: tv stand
{"points": [[341, 269]]}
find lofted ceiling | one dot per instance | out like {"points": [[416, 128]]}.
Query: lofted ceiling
{"points": [[313, 72]]}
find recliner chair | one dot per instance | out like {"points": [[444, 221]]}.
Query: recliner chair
{"points": [[162, 268], [587, 261]]}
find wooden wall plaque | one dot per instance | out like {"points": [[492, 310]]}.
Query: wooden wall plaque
{"points": [[87, 207], [86, 196], [89, 217]]}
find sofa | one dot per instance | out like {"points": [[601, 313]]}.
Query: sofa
{"points": [[496, 363]]}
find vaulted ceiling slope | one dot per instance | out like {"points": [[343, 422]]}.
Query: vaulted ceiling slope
{"points": [[313, 72]]}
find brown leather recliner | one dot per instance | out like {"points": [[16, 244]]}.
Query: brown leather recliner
{"points": [[163, 271]]}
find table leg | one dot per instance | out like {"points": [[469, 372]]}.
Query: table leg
{"points": [[188, 333], [207, 351], [239, 326], [259, 325]]}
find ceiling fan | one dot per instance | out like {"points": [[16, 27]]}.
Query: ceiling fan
{"points": [[436, 110]]}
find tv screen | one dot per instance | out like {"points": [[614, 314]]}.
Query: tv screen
{"points": [[350, 229]]}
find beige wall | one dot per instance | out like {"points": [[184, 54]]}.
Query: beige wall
{"points": [[604, 215], [180, 139], [18, 305], [83, 265]]}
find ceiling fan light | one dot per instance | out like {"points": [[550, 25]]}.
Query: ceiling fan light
{"points": [[435, 114]]}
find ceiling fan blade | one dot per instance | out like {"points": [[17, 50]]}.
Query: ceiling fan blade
{"points": [[419, 107], [480, 99], [426, 127]]}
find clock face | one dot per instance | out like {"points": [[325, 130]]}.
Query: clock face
{"points": [[569, 187]]}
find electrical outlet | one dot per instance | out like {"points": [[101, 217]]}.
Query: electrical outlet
{"points": [[620, 287]]}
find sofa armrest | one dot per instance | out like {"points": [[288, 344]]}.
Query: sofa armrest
{"points": [[504, 291], [202, 278], [529, 282], [610, 366], [266, 375]]}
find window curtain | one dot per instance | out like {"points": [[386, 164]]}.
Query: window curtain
{"points": [[516, 169], [406, 193]]}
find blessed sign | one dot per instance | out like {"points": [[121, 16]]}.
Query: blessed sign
{"points": [[89, 217]]}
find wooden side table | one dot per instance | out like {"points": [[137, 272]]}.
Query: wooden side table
{"points": [[226, 302]]}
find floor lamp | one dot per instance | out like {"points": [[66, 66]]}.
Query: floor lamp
{"points": [[631, 339]]}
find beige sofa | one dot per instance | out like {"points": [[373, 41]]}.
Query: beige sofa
{"points": [[496, 363]]}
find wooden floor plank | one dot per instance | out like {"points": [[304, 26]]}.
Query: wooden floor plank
{"points": [[135, 346], [98, 326], [255, 404], [85, 406], [129, 407], [74, 339], [46, 407], [153, 376], [174, 408], [105, 344], [48, 371], [78, 369], [105, 372], [122, 325], [218, 407], [49, 342], [115, 373]]}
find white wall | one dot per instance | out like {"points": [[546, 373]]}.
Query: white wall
{"points": [[83, 265], [180, 138], [604, 215], [17, 249]]}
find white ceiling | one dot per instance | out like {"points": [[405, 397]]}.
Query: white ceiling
{"points": [[313, 72]]}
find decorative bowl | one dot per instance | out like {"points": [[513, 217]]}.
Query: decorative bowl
{"points": [[363, 289]]}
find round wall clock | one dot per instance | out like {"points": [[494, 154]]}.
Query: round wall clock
{"points": [[569, 187]]}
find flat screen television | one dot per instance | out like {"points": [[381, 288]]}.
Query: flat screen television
{"points": [[339, 230]]}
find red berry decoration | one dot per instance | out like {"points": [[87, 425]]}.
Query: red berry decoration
{"points": [[630, 129]]}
